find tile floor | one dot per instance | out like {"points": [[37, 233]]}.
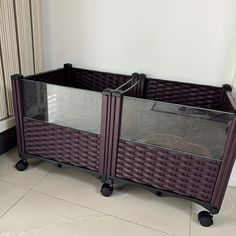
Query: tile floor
{"points": [[45, 200]]}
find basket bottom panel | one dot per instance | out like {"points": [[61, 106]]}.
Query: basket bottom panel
{"points": [[184, 174], [78, 148]]}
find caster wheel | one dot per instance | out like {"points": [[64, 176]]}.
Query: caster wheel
{"points": [[205, 218], [21, 165], [59, 165], [106, 190]]}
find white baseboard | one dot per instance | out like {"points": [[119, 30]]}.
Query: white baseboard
{"points": [[7, 124]]}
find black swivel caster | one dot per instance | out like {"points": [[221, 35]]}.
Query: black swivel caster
{"points": [[21, 165], [205, 218], [106, 190], [59, 165]]}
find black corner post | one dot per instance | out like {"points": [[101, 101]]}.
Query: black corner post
{"points": [[105, 126], [18, 109], [227, 99], [141, 85], [135, 78], [116, 117], [68, 67]]}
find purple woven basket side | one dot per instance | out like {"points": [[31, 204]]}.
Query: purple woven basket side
{"points": [[97, 81], [183, 174], [58, 77], [185, 93], [78, 148]]}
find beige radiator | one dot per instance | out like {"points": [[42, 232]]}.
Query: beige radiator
{"points": [[3, 102], [21, 46]]}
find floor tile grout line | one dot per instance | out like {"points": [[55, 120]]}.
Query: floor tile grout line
{"points": [[24, 187], [15, 184], [41, 180], [21, 198], [101, 212], [6, 167]]}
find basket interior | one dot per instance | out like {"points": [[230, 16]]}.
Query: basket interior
{"points": [[203, 96]]}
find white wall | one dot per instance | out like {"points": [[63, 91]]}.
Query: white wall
{"points": [[187, 40], [232, 65]]}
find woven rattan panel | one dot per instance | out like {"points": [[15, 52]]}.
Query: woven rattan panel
{"points": [[167, 170], [97, 81], [183, 93], [62, 144], [57, 77]]}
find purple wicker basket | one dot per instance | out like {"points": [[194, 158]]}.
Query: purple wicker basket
{"points": [[113, 158]]}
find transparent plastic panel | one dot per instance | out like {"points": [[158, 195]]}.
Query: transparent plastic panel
{"points": [[70, 107], [178, 127]]}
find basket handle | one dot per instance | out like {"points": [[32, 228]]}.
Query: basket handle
{"points": [[134, 76]]}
